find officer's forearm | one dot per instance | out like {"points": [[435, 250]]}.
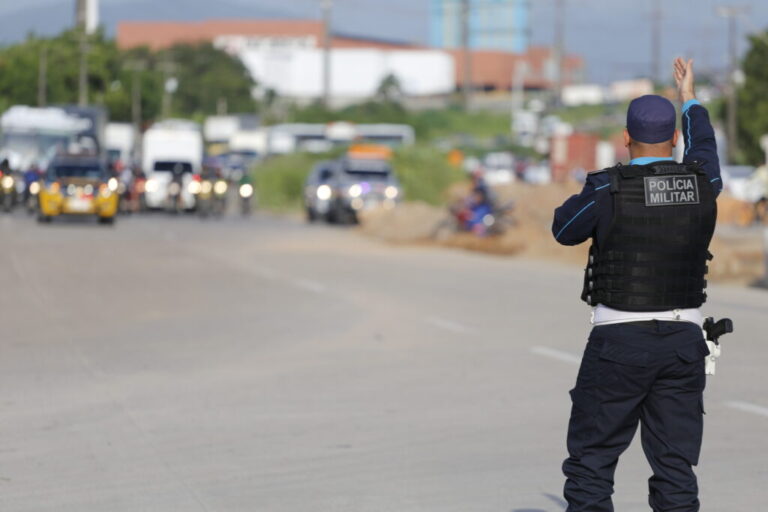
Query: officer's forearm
{"points": [[687, 96]]}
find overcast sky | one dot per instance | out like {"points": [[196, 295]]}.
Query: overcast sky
{"points": [[612, 35]]}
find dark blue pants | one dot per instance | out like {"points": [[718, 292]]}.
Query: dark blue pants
{"points": [[647, 373]]}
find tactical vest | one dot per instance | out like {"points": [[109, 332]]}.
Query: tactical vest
{"points": [[655, 252]]}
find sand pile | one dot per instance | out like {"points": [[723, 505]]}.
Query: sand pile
{"points": [[737, 258]]}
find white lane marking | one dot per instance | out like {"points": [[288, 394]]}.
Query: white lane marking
{"points": [[552, 353], [306, 284], [447, 325], [748, 407]]}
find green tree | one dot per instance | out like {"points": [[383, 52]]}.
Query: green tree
{"points": [[207, 77], [753, 100]]}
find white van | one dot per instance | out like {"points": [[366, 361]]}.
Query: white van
{"points": [[171, 148]]}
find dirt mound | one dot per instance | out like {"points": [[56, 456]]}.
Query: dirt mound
{"points": [[738, 258], [409, 222]]}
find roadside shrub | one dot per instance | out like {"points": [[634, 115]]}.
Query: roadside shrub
{"points": [[280, 180], [425, 173]]}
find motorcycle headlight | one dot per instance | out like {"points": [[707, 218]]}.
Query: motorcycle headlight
{"points": [[7, 181], [206, 187], [34, 188], [194, 187], [324, 192], [220, 188], [174, 189], [246, 190], [151, 186], [112, 184], [355, 190], [391, 192]]}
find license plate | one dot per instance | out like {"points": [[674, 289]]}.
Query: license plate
{"points": [[78, 205]]}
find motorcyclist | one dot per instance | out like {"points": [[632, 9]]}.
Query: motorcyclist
{"points": [[478, 207]]}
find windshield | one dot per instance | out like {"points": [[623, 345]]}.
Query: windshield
{"points": [[88, 171], [33, 144], [113, 155], [368, 170], [174, 167]]}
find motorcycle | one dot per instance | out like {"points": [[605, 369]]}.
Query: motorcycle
{"points": [[245, 191], [7, 191], [31, 199], [494, 222], [220, 188], [202, 189]]}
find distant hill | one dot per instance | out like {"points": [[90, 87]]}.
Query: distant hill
{"points": [[52, 18]]}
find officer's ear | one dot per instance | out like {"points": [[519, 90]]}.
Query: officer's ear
{"points": [[627, 138], [674, 138]]}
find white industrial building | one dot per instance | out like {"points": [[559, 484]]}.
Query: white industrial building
{"points": [[296, 71]]}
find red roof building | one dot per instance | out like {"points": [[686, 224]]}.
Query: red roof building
{"points": [[158, 34]]}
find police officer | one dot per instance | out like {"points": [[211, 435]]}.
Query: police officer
{"points": [[650, 223]]}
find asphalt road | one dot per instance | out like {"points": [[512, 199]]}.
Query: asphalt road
{"points": [[170, 364]]}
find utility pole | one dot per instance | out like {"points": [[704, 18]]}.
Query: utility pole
{"points": [[169, 86], [327, 7], [466, 83], [82, 87], [731, 14], [42, 77], [656, 17], [81, 21], [136, 68], [559, 49], [81, 14]]}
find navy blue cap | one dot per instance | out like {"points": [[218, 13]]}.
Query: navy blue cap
{"points": [[651, 119]]}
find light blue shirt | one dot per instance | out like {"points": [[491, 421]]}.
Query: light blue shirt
{"points": [[645, 160]]}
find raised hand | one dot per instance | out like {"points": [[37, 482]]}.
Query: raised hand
{"points": [[683, 73]]}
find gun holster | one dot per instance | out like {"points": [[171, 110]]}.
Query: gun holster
{"points": [[712, 332]]}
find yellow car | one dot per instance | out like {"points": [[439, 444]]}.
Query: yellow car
{"points": [[78, 185]]}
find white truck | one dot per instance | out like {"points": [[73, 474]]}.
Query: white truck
{"points": [[172, 151], [31, 135], [120, 143]]}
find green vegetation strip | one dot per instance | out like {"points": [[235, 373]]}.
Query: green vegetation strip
{"points": [[424, 173]]}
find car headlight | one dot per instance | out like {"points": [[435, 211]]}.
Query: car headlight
{"points": [[151, 186], [324, 192], [391, 192], [194, 187], [34, 188], [220, 188], [71, 190], [113, 184], [88, 189], [7, 181], [246, 190], [355, 190]]}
